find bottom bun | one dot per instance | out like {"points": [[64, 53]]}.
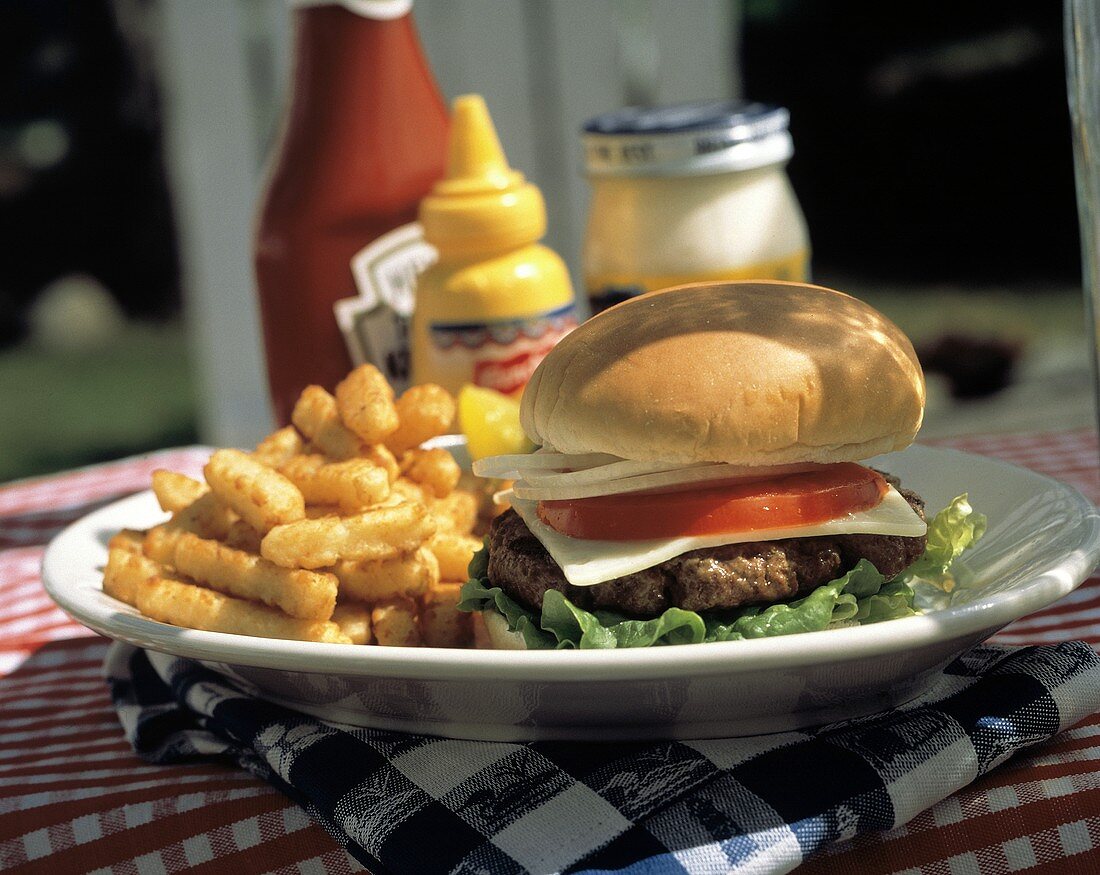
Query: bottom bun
{"points": [[500, 636]]}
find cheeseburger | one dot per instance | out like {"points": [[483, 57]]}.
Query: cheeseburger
{"points": [[700, 463]]}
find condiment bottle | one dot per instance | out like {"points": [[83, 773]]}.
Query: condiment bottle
{"points": [[363, 141], [496, 301], [690, 193]]}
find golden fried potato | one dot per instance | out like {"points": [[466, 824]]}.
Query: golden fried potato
{"points": [[307, 595], [171, 600], [441, 623], [127, 539], [383, 458], [384, 579], [394, 624], [315, 415], [208, 517], [453, 552], [176, 491], [160, 542], [425, 411], [378, 533], [409, 491], [456, 512], [279, 446], [241, 536], [353, 485], [124, 571], [262, 496], [435, 470], [338, 528], [364, 401], [354, 621]]}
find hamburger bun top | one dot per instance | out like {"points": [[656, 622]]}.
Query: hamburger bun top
{"points": [[750, 373]]}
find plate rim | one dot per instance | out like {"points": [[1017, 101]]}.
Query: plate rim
{"points": [[833, 645]]}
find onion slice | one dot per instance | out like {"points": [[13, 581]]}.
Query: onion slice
{"points": [[512, 466], [602, 473], [668, 481]]}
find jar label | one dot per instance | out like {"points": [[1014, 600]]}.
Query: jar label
{"points": [[501, 354], [606, 290], [375, 324]]}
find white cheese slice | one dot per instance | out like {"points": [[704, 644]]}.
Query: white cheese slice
{"points": [[587, 563]]}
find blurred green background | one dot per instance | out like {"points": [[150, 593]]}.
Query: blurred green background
{"points": [[79, 406]]}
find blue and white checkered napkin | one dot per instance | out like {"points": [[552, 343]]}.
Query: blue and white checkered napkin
{"points": [[411, 803]]}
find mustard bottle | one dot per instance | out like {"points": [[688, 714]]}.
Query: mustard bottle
{"points": [[496, 301]]}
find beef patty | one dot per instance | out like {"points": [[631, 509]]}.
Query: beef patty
{"points": [[758, 572]]}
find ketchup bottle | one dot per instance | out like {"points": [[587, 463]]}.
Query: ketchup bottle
{"points": [[363, 141]]}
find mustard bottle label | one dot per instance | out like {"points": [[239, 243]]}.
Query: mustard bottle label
{"points": [[606, 290], [500, 354], [375, 323]]}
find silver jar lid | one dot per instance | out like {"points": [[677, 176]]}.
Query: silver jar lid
{"points": [[686, 139]]}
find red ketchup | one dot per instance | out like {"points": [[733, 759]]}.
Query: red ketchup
{"points": [[363, 141]]}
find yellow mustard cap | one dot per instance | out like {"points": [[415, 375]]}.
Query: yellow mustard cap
{"points": [[481, 203]]}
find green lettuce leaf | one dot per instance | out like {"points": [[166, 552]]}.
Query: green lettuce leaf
{"points": [[478, 595], [954, 529], [562, 624], [575, 627], [860, 596]]}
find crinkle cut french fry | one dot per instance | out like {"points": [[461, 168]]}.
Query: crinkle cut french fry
{"points": [[453, 552], [457, 512], [127, 539], [170, 600], [279, 446], [315, 415], [383, 458], [435, 470], [425, 411], [379, 533], [353, 485], [307, 595], [442, 624], [401, 577], [160, 543], [262, 496], [241, 536], [354, 621], [394, 624], [176, 491], [409, 491], [124, 571], [364, 401], [208, 517]]}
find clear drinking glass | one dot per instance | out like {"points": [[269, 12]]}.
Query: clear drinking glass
{"points": [[1082, 37]]}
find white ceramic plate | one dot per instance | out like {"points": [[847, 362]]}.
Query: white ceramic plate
{"points": [[1043, 540]]}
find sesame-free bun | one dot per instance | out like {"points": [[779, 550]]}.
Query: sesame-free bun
{"points": [[751, 373]]}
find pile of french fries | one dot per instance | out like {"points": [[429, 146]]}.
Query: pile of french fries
{"points": [[340, 528]]}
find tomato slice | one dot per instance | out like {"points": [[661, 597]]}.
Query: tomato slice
{"points": [[801, 499]]}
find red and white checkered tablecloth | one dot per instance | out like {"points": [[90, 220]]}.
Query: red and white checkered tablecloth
{"points": [[74, 798]]}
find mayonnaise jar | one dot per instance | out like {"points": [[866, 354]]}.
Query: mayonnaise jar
{"points": [[690, 193]]}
